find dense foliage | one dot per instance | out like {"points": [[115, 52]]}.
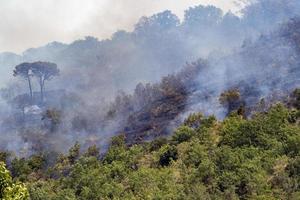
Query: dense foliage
{"points": [[10, 190], [249, 64], [137, 82], [237, 158]]}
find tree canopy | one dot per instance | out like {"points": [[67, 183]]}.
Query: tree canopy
{"points": [[10, 190], [237, 158], [44, 71]]}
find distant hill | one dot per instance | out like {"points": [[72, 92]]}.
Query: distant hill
{"points": [[159, 45]]}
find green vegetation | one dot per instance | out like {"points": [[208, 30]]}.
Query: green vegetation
{"points": [[10, 190], [231, 100], [237, 158]]}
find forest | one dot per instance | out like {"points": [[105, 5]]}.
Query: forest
{"points": [[236, 158], [201, 107]]}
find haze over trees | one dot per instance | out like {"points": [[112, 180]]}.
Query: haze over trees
{"points": [[24, 70], [159, 45], [204, 158], [206, 107], [43, 71], [142, 84]]}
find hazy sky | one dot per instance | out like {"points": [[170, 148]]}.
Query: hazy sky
{"points": [[32, 23]]}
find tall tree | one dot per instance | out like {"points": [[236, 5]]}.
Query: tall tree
{"points": [[45, 71], [24, 70]]}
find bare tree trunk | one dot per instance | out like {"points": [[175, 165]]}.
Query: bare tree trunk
{"points": [[30, 88], [43, 85], [42, 89]]}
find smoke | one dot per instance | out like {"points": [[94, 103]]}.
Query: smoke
{"points": [[93, 98], [34, 23], [259, 70]]}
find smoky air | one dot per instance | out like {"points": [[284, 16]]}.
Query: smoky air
{"points": [[143, 83]]}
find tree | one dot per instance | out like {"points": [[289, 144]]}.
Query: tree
{"points": [[159, 22], [74, 152], [10, 190], [294, 100], [202, 16], [52, 119], [45, 71], [183, 134], [167, 154], [24, 70], [231, 99]]}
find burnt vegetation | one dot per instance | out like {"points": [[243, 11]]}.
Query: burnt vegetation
{"points": [[151, 108], [203, 108]]}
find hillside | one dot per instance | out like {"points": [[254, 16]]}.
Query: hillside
{"points": [[202, 107], [236, 158]]}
